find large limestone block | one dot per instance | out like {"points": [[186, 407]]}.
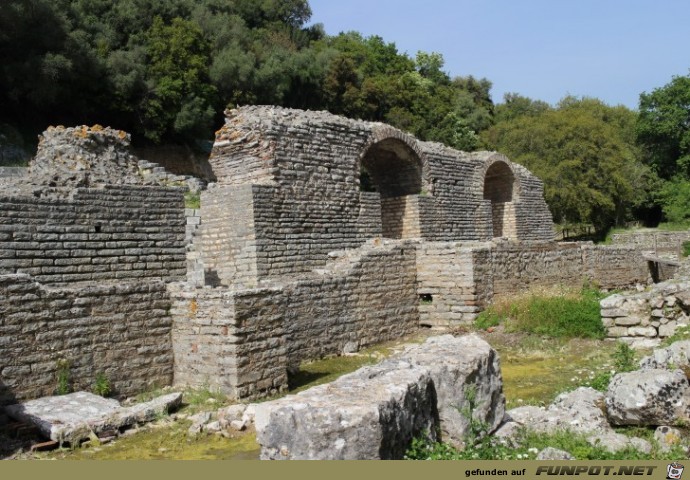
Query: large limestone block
{"points": [[74, 417], [578, 411], [677, 355], [373, 413], [465, 371], [648, 397]]}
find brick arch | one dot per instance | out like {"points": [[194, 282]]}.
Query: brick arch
{"points": [[500, 189], [386, 139], [498, 161], [392, 162]]}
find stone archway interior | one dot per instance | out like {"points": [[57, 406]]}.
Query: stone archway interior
{"points": [[391, 168], [498, 189]]}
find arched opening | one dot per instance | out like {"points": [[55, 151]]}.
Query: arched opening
{"points": [[499, 184], [394, 170]]}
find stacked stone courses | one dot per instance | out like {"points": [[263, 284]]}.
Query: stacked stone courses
{"points": [[87, 245], [101, 234], [322, 235]]}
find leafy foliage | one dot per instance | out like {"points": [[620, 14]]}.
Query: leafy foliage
{"points": [[623, 361], [101, 385], [663, 128], [582, 150], [166, 69]]}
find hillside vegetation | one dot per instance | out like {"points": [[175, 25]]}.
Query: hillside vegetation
{"points": [[166, 69]]}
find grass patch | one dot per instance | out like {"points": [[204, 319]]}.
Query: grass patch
{"points": [[685, 249], [529, 443], [674, 226], [559, 313], [192, 200], [166, 441]]}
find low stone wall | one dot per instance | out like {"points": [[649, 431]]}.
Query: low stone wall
{"points": [[244, 341], [519, 266], [120, 330], [662, 244], [645, 317], [454, 282]]}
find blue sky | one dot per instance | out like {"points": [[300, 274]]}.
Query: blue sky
{"points": [[544, 49]]}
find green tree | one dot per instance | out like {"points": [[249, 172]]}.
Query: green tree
{"points": [[663, 128], [180, 96], [584, 153]]}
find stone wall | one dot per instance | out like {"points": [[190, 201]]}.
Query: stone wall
{"points": [[227, 239], [663, 244], [120, 330], [306, 202], [363, 297], [114, 233], [519, 266], [643, 318], [228, 340], [244, 341], [454, 282]]}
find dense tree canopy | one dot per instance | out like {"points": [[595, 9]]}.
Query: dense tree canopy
{"points": [[166, 69], [663, 128], [583, 151]]}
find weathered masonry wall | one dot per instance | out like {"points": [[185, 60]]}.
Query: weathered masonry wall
{"points": [[646, 317], [518, 266], [664, 244], [121, 331], [115, 233], [243, 342], [454, 282], [306, 171], [365, 297]]}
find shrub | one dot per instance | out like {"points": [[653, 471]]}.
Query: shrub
{"points": [[63, 377], [685, 251], [192, 200], [101, 385]]}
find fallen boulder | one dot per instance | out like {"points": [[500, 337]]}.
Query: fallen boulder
{"points": [[373, 413], [648, 397], [677, 355], [467, 377], [75, 417], [579, 411]]}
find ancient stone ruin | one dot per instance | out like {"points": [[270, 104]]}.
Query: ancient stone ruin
{"points": [[321, 235]]}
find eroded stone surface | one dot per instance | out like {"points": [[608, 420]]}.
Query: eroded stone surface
{"points": [[72, 418], [373, 413], [467, 377], [648, 397], [677, 355]]}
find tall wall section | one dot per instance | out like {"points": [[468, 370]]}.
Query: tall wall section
{"points": [[244, 341], [120, 330], [113, 233], [83, 266], [306, 168]]}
